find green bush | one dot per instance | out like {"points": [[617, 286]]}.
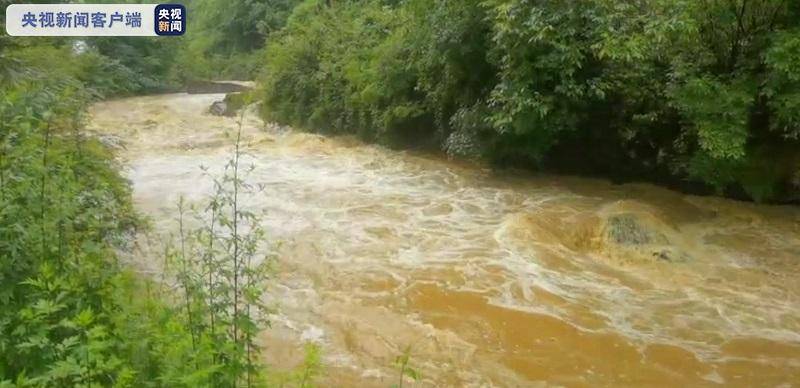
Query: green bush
{"points": [[70, 313], [226, 37], [63, 210], [676, 91]]}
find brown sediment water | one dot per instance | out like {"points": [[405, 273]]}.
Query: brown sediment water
{"points": [[492, 278]]}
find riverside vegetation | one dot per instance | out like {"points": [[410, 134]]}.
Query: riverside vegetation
{"points": [[73, 314], [702, 95], [697, 95]]}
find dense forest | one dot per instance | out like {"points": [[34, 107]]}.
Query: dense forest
{"points": [[703, 95]]}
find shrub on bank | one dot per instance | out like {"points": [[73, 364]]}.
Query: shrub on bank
{"points": [[700, 95]]}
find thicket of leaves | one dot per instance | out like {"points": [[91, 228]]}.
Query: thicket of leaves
{"points": [[68, 311], [226, 37], [679, 91], [71, 314]]}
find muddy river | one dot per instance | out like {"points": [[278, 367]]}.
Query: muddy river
{"points": [[493, 278]]}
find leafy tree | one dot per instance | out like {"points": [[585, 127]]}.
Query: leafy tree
{"points": [[682, 92], [226, 37]]}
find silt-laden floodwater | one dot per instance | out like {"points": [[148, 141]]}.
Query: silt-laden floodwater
{"points": [[493, 279]]}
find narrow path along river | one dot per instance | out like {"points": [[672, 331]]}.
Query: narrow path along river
{"points": [[493, 279]]}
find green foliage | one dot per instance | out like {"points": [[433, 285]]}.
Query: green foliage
{"points": [[221, 270], [70, 313], [673, 89], [545, 85], [403, 364], [718, 113], [63, 210], [132, 65], [376, 69], [226, 37], [783, 83], [103, 66]]}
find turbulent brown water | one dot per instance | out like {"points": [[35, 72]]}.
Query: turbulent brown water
{"points": [[493, 279]]}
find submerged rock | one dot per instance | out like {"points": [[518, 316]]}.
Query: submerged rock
{"points": [[642, 234], [111, 141], [626, 229], [623, 232], [228, 107], [218, 108], [671, 255]]}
